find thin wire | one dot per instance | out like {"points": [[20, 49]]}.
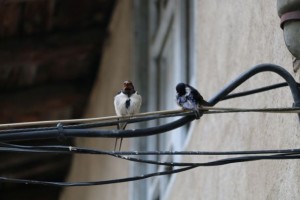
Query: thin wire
{"points": [[62, 132], [92, 183], [142, 117], [144, 176], [104, 124], [64, 149], [214, 163], [217, 110], [87, 120], [73, 149], [257, 90]]}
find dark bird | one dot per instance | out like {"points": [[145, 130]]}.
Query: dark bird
{"points": [[189, 98], [127, 103]]}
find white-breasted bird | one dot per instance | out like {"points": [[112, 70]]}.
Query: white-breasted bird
{"points": [[189, 98], [127, 103]]}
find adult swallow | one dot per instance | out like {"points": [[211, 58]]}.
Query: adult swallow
{"points": [[127, 103], [189, 98]]}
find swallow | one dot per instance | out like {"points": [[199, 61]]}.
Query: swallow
{"points": [[189, 98], [127, 103]]}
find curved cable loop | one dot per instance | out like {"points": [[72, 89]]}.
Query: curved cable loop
{"points": [[253, 71]]}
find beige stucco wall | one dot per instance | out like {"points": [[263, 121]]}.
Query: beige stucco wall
{"points": [[233, 35], [114, 69]]}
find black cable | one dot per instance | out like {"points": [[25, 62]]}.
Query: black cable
{"points": [[70, 133], [144, 176], [146, 118], [216, 162], [52, 133], [93, 183], [254, 91], [253, 71], [100, 124], [80, 150], [279, 154], [66, 132]]}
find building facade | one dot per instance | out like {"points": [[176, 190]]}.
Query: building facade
{"points": [[206, 43]]}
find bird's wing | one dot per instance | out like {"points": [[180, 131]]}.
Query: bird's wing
{"points": [[195, 93], [136, 102], [119, 103], [178, 99], [197, 96]]}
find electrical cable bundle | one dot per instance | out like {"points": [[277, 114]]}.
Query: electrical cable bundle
{"points": [[67, 129]]}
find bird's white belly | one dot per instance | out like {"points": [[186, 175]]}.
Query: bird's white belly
{"points": [[185, 103], [188, 105], [120, 104]]}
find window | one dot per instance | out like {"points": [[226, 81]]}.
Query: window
{"points": [[163, 58]]}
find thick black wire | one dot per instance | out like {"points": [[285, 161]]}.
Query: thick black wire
{"points": [[63, 132], [224, 93], [294, 86], [147, 118], [100, 124], [189, 166], [69, 133]]}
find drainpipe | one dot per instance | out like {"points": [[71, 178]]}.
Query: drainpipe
{"points": [[289, 13]]}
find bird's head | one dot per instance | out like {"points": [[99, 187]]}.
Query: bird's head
{"points": [[180, 88], [128, 87]]}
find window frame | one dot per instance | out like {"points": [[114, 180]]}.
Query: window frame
{"points": [[170, 16]]}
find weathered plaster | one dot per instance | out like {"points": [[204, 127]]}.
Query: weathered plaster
{"points": [[232, 36]]}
